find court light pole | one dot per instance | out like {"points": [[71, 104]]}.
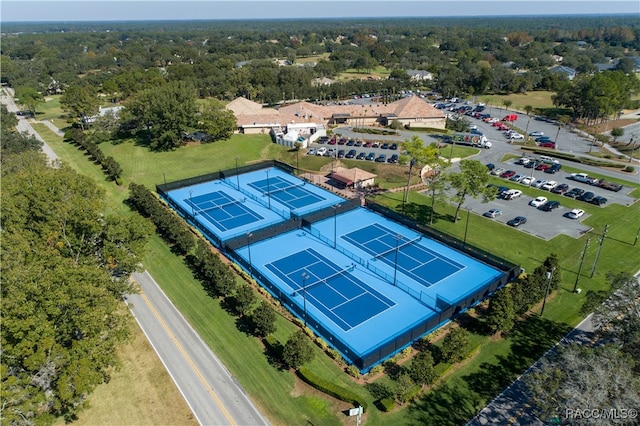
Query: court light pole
{"points": [[304, 296], [466, 228], [237, 175], [546, 289], [268, 189], [395, 264], [249, 235], [335, 224], [191, 202]]}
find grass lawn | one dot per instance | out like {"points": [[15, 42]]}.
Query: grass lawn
{"points": [[278, 393], [537, 99]]}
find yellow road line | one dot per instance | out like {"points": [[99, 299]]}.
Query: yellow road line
{"points": [[189, 361]]}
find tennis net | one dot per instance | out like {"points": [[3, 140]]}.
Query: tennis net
{"points": [[391, 250], [286, 188], [326, 279], [218, 206]]}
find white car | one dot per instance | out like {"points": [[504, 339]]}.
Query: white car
{"points": [[321, 151], [538, 201], [516, 135], [493, 120], [536, 134], [548, 186], [498, 171], [527, 180], [312, 151], [575, 214], [511, 194], [538, 183]]}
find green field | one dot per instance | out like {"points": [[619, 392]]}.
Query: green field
{"points": [[278, 393]]}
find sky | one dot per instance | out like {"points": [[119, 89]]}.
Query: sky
{"points": [[144, 10]]}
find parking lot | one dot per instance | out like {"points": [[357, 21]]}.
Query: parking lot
{"points": [[546, 224], [367, 149]]}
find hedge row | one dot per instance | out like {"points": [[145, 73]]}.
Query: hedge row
{"points": [[109, 164], [330, 388], [570, 157]]}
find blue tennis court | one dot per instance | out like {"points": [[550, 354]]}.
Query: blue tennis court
{"points": [[416, 261], [290, 194], [222, 210], [333, 290]]}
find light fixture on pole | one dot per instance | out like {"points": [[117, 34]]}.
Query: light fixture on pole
{"points": [[546, 289], [304, 296], [237, 175], [335, 224], [249, 235], [268, 189]]}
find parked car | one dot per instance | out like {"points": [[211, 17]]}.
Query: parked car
{"points": [[553, 169], [547, 145], [523, 160], [381, 158], [516, 135], [517, 221], [543, 139], [560, 189], [511, 194], [491, 166], [574, 193], [351, 154], [361, 156], [587, 196], [493, 213], [508, 174], [393, 159], [575, 214], [598, 201], [394, 146], [498, 171], [341, 153], [548, 186], [549, 205], [582, 177], [528, 180], [538, 201], [371, 156], [517, 178], [358, 143], [536, 133], [312, 151], [384, 146], [538, 183], [321, 151], [542, 166]]}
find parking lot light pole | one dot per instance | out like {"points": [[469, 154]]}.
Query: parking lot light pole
{"points": [[584, 252], [546, 290]]}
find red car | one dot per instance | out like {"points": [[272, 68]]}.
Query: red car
{"points": [[508, 174], [548, 145], [542, 166], [332, 141]]}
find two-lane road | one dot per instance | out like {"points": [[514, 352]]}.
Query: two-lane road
{"points": [[211, 392]]}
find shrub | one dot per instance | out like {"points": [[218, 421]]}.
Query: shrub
{"points": [[629, 169], [377, 369], [353, 371], [330, 388], [321, 343], [387, 404]]}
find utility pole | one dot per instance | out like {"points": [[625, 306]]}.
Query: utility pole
{"points": [[595, 262], [584, 252]]}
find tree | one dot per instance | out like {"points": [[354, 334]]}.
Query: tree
{"points": [[81, 101], [165, 113], [10, 140], [404, 387], [65, 268], [298, 350], [263, 319], [594, 378], [619, 316], [507, 103], [422, 369], [501, 312], [419, 154], [471, 180], [216, 120], [29, 97], [244, 298], [528, 109], [455, 345], [616, 132], [437, 181]]}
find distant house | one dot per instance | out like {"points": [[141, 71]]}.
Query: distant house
{"points": [[569, 72], [101, 113], [419, 75]]}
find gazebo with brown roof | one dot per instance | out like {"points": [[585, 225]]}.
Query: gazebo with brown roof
{"points": [[353, 177]]}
